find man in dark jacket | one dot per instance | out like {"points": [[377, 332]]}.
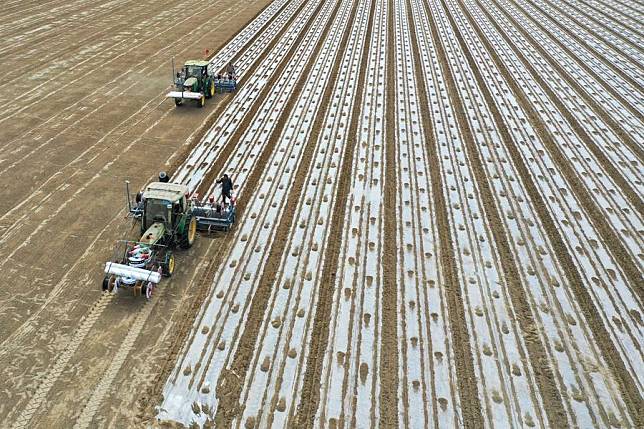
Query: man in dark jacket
{"points": [[230, 71], [226, 188]]}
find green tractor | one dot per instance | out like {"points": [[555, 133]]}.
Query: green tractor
{"points": [[193, 82], [166, 215], [167, 222]]}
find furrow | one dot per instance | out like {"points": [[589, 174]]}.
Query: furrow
{"points": [[428, 369], [312, 384], [611, 26], [610, 51], [390, 379], [227, 308], [608, 13], [618, 203], [275, 93], [621, 108], [270, 389], [595, 266], [602, 146], [349, 371], [194, 169], [513, 393]]}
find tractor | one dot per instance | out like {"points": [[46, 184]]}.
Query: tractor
{"points": [[168, 219], [167, 222], [193, 82]]}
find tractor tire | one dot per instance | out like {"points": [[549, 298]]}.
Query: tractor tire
{"points": [[189, 235], [168, 267], [210, 89], [178, 102]]}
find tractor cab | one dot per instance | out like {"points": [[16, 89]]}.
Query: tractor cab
{"points": [[198, 69], [165, 211], [194, 76]]}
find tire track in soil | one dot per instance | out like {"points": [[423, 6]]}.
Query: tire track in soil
{"points": [[126, 346], [581, 41], [77, 76], [73, 345], [53, 372], [634, 146], [632, 397], [116, 363], [108, 377], [544, 374], [465, 375], [85, 152], [311, 385], [610, 237], [37, 399], [228, 407], [28, 327], [103, 386], [389, 344]]}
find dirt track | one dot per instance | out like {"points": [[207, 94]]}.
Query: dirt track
{"points": [[440, 214], [91, 114]]}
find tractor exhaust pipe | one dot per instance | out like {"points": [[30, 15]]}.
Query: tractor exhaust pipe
{"points": [[127, 196]]}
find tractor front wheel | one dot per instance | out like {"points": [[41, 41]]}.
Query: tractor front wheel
{"points": [[168, 266]]}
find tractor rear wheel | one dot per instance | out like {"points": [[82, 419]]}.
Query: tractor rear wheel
{"points": [[189, 234], [210, 89]]}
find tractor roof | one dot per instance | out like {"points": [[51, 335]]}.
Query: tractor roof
{"points": [[200, 63], [165, 191]]}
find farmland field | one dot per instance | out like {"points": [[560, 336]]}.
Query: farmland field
{"points": [[439, 214]]}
